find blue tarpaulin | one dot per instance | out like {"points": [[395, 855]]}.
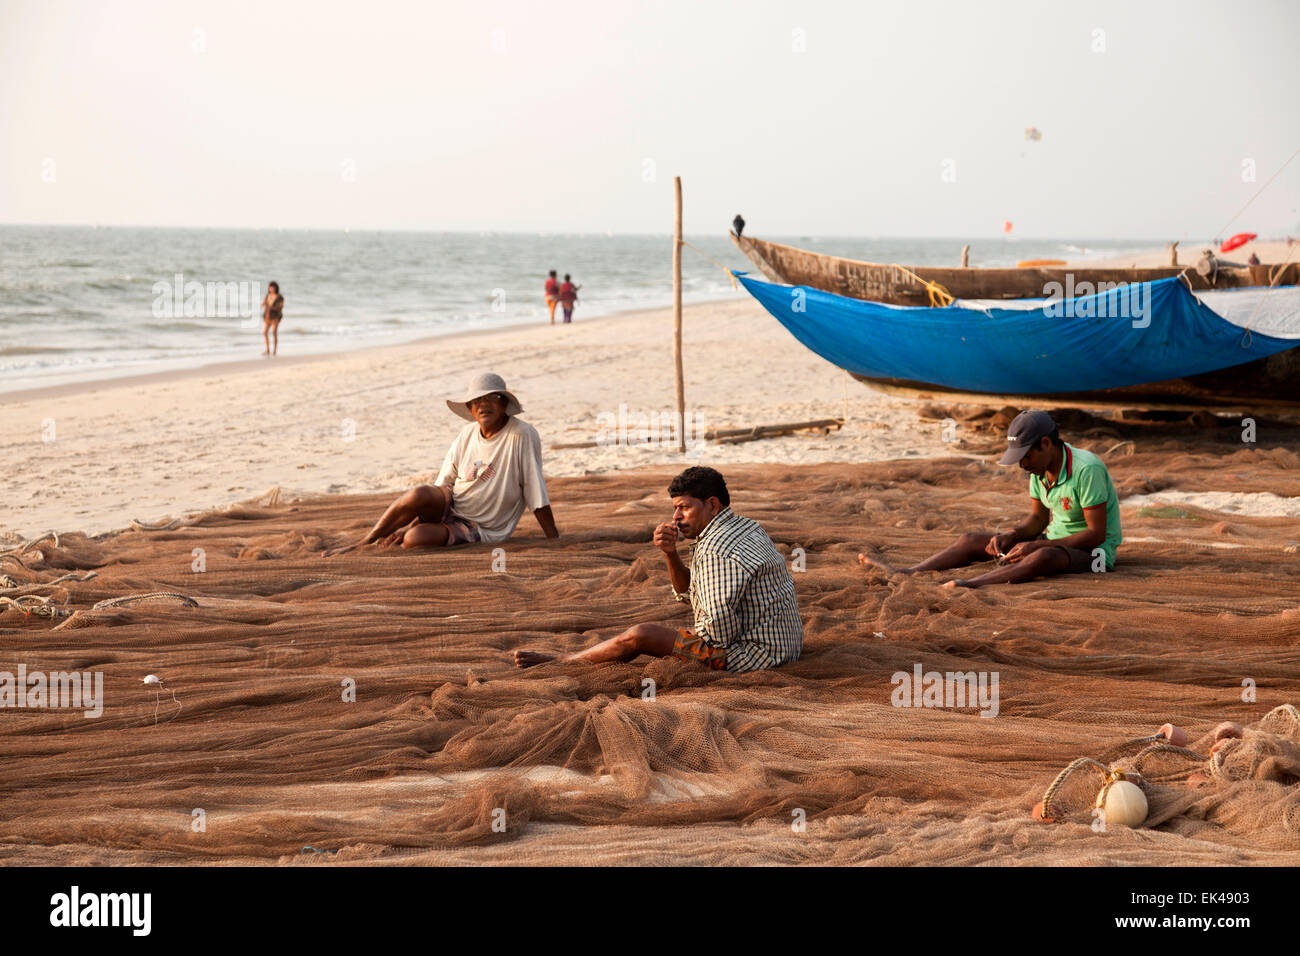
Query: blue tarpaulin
{"points": [[1131, 335]]}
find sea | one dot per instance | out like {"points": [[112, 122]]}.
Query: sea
{"points": [[94, 302]]}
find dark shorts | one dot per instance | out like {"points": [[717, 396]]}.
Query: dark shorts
{"points": [[460, 530], [691, 648], [1080, 561]]}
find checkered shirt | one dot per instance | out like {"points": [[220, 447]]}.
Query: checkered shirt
{"points": [[743, 595]]}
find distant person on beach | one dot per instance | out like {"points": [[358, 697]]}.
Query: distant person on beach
{"points": [[738, 585], [568, 296], [1073, 521], [272, 312], [552, 293], [1253, 260], [491, 473]]}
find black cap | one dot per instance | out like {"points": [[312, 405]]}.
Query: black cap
{"points": [[1025, 431]]}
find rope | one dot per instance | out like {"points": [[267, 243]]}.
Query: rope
{"points": [[72, 575], [1112, 777], [1169, 748], [730, 277], [37, 604], [157, 698], [152, 595], [1119, 750], [1224, 229], [137, 525], [28, 545], [1288, 709], [1048, 814], [939, 296]]}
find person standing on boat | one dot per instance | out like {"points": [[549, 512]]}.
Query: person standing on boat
{"points": [[1073, 523], [568, 296], [552, 294], [272, 313]]}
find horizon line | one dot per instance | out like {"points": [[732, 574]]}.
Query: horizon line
{"points": [[608, 233]]}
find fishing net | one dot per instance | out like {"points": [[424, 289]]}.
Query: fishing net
{"points": [[366, 707], [1270, 751]]}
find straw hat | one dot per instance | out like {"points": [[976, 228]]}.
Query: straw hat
{"points": [[484, 384]]}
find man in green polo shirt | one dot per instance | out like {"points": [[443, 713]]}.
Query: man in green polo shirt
{"points": [[1073, 525]]}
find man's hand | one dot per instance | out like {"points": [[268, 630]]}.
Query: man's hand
{"points": [[545, 520], [666, 538], [1023, 550], [999, 543]]}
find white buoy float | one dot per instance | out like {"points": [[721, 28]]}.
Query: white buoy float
{"points": [[1123, 804], [153, 679]]}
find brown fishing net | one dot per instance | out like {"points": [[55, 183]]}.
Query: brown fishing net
{"points": [[366, 707], [1270, 751]]}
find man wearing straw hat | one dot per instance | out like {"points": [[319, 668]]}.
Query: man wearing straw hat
{"points": [[492, 472]]}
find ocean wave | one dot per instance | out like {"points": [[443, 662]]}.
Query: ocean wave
{"points": [[37, 349]]}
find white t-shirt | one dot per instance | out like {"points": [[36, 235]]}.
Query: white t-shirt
{"points": [[493, 479]]}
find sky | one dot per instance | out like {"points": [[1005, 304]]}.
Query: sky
{"points": [[1159, 119]]}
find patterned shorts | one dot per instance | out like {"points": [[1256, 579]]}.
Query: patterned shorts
{"points": [[460, 530], [691, 648]]}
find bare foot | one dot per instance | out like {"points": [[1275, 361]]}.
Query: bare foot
{"points": [[531, 658], [871, 558], [958, 584]]}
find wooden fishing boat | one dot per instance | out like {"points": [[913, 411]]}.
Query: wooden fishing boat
{"points": [[1269, 384]]}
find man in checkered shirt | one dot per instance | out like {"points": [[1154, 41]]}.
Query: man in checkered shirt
{"points": [[738, 585]]}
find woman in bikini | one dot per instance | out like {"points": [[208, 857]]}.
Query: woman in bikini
{"points": [[272, 312]]}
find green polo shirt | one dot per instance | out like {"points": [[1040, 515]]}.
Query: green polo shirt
{"points": [[1083, 483]]}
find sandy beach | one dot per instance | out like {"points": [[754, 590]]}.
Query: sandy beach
{"points": [[1270, 252], [161, 445]]}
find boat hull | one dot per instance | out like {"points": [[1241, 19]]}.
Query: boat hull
{"points": [[1271, 383]]}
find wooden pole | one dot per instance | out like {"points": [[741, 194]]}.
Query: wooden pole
{"points": [[677, 320]]}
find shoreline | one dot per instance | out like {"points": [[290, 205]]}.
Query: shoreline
{"points": [[236, 366]]}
